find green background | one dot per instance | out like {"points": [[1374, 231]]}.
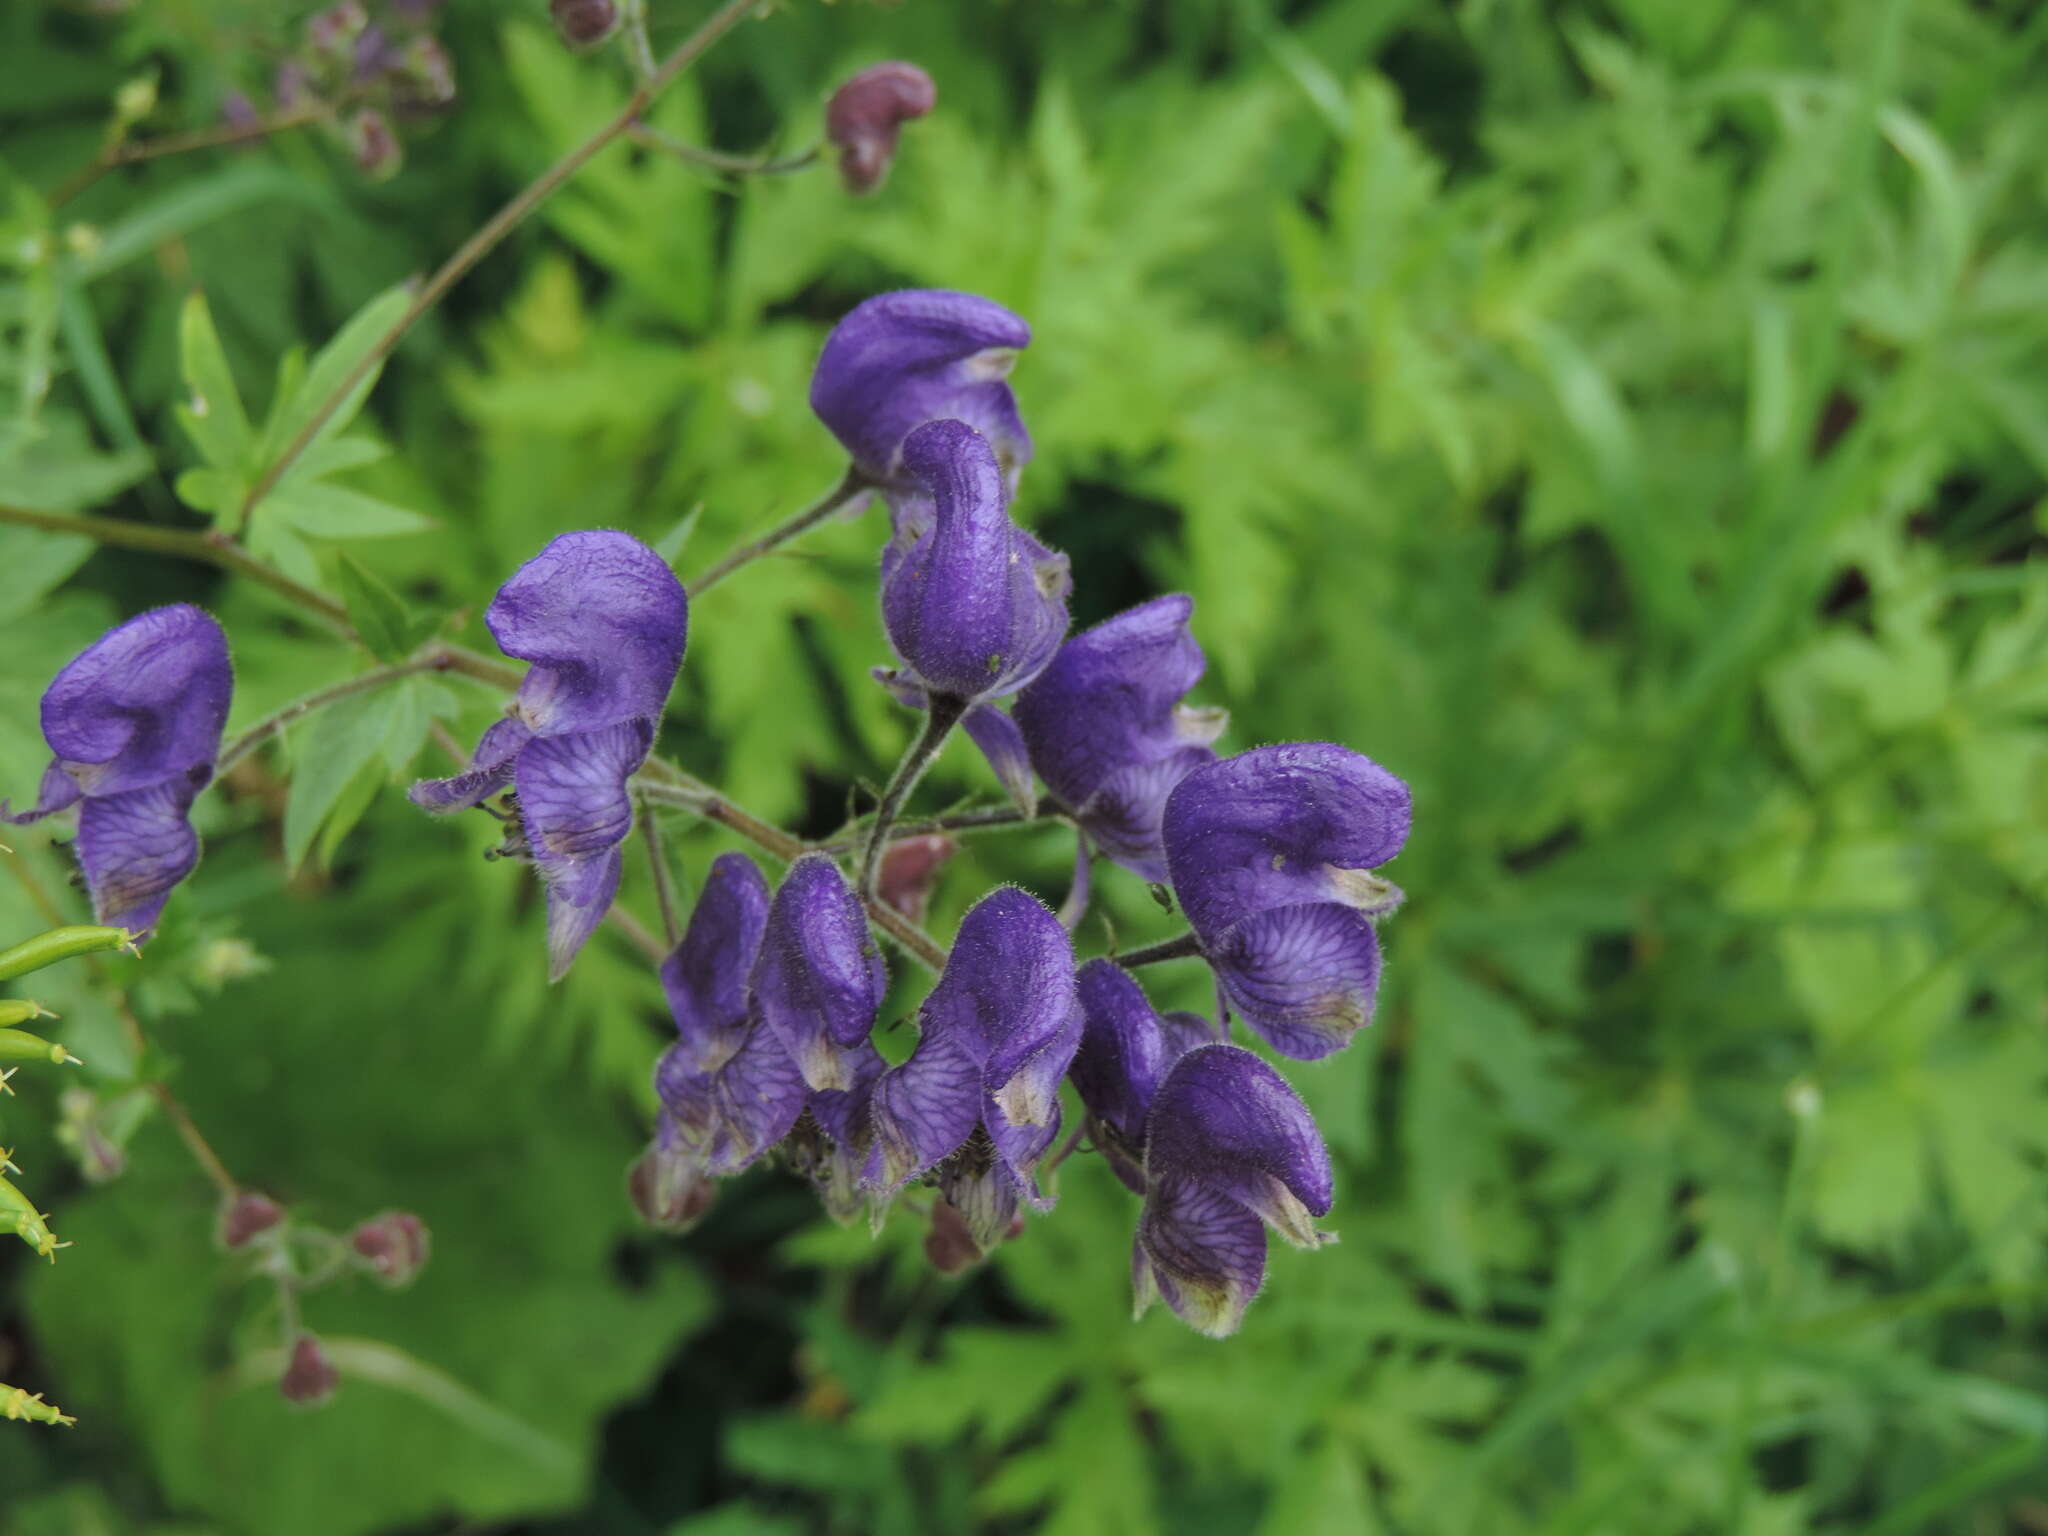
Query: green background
{"points": [[1628, 421]]}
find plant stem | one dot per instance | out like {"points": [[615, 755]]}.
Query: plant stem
{"points": [[942, 713], [719, 160], [657, 863], [963, 821], [638, 48], [1167, 949], [138, 150], [1075, 907], [850, 485], [500, 224], [435, 660]]}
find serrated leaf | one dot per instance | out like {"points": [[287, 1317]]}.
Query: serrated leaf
{"points": [[216, 492], [322, 511], [294, 410], [378, 613], [212, 414], [329, 754]]}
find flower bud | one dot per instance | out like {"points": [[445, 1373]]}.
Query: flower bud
{"points": [[669, 1189], [334, 32], [310, 1378], [584, 23], [291, 86], [393, 1247], [375, 147], [949, 1247], [909, 871], [425, 74], [866, 115], [244, 1217]]}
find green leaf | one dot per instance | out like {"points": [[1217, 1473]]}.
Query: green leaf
{"points": [[294, 410], [186, 207], [212, 414], [341, 741], [322, 511], [378, 613]]}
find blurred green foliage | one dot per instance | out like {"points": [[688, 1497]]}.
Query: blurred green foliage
{"points": [[1628, 421]]}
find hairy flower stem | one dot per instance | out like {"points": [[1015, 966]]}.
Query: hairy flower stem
{"points": [[1167, 949], [996, 820], [500, 224], [1075, 907], [943, 711], [657, 865], [719, 160], [850, 485], [435, 660]]}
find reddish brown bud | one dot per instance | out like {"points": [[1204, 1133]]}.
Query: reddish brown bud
{"points": [[310, 1378], [244, 1217], [393, 1247], [671, 1192], [866, 115], [584, 23], [375, 147], [909, 871], [949, 1247]]}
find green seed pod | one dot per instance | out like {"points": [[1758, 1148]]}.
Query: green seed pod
{"points": [[20, 1045], [59, 944], [17, 1404], [19, 1010], [19, 1216]]}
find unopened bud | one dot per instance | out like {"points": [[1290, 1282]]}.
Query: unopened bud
{"points": [[333, 33], [949, 1247], [425, 74], [375, 147], [669, 1189], [584, 23], [909, 871], [135, 100], [866, 115], [245, 1217], [310, 1377], [393, 1247], [84, 1132], [238, 111], [291, 86]]}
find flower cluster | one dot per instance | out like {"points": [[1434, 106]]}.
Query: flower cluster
{"points": [[362, 70]]}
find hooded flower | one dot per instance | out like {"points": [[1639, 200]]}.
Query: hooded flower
{"points": [[819, 982], [134, 721], [1126, 1049], [705, 976], [866, 115], [1228, 1145], [921, 354], [973, 604], [978, 1100], [1107, 732], [1272, 855], [603, 620]]}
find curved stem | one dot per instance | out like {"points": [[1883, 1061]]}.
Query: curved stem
{"points": [[1168, 949], [135, 151], [1075, 907], [942, 712], [271, 724], [720, 160], [850, 485], [500, 224], [657, 864]]}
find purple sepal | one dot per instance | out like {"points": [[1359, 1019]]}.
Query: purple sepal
{"points": [[1126, 1049], [731, 1116], [134, 721], [1228, 1145], [996, 1036], [489, 771], [705, 976], [922, 354], [1272, 855], [976, 607], [843, 1119], [576, 810], [819, 981], [1107, 731]]}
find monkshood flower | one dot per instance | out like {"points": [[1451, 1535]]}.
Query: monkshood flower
{"points": [[1106, 729], [705, 976], [973, 604], [134, 721], [866, 115], [1228, 1147], [829, 1143], [1126, 1051], [1272, 855], [977, 1103], [729, 1117], [820, 978], [603, 620], [901, 359]]}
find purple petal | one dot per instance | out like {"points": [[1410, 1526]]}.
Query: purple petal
{"points": [[1019, 1147], [1200, 1252], [733, 1115], [603, 620], [819, 980], [1304, 977], [133, 848], [1124, 1050], [1283, 825], [1125, 813], [1007, 995], [1003, 745], [1225, 1120], [846, 1119], [143, 704], [901, 359], [975, 607], [489, 771], [58, 791], [705, 976], [924, 1110], [576, 809]]}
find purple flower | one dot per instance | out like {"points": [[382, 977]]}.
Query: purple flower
{"points": [[1126, 1050], [973, 604], [1228, 1146], [134, 721], [730, 1116], [866, 115], [829, 1144], [1107, 732], [978, 1100], [921, 354], [603, 620], [819, 982], [1272, 855], [705, 976]]}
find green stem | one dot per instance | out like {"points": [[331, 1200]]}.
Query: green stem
{"points": [[718, 159], [943, 711], [270, 725], [850, 485], [500, 224], [1167, 949], [657, 864], [135, 152], [964, 821]]}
